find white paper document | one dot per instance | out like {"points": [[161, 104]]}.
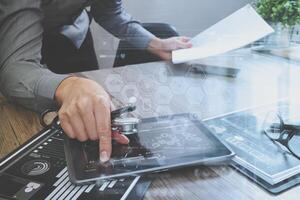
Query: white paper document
{"points": [[235, 31]]}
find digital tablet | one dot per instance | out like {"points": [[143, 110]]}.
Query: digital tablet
{"points": [[161, 144]]}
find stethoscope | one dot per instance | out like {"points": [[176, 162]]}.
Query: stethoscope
{"points": [[120, 121]]}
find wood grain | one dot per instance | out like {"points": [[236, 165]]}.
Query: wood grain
{"points": [[17, 126], [8, 139]]}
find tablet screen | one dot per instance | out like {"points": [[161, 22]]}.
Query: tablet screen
{"points": [[163, 143]]}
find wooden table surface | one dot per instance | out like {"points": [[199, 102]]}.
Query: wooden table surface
{"points": [[160, 88], [17, 125]]}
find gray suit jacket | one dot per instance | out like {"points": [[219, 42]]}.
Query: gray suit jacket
{"points": [[22, 23]]}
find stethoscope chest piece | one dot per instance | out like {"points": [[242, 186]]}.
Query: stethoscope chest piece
{"points": [[126, 126], [121, 122]]}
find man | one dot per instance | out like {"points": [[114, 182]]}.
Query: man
{"points": [[84, 105]]}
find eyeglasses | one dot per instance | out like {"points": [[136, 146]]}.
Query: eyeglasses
{"points": [[285, 134]]}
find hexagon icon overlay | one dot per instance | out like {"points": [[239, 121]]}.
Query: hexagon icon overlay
{"points": [[114, 82], [163, 95]]}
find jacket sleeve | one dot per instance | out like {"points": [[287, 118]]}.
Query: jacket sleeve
{"points": [[111, 16], [22, 78]]}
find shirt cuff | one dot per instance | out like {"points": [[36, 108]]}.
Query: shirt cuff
{"points": [[142, 39], [48, 84]]}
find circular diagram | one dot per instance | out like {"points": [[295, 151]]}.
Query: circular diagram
{"points": [[35, 167]]}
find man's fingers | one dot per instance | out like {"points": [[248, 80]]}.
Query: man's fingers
{"points": [[103, 125], [120, 138], [112, 106], [76, 95], [78, 127], [102, 115], [183, 45], [184, 39], [75, 121], [66, 126], [176, 43], [105, 147], [85, 109]]}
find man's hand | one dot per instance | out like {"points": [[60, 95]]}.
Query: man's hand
{"points": [[164, 47], [85, 113]]}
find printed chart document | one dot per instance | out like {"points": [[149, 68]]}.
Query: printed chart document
{"points": [[235, 31]]}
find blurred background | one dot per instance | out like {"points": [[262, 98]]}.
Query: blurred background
{"points": [[189, 17]]}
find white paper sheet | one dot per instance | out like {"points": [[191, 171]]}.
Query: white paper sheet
{"points": [[235, 31]]}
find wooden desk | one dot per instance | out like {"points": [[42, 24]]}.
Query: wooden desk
{"points": [[160, 88], [17, 125]]}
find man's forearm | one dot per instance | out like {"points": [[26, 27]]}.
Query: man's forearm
{"points": [[22, 78], [29, 85], [111, 16]]}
